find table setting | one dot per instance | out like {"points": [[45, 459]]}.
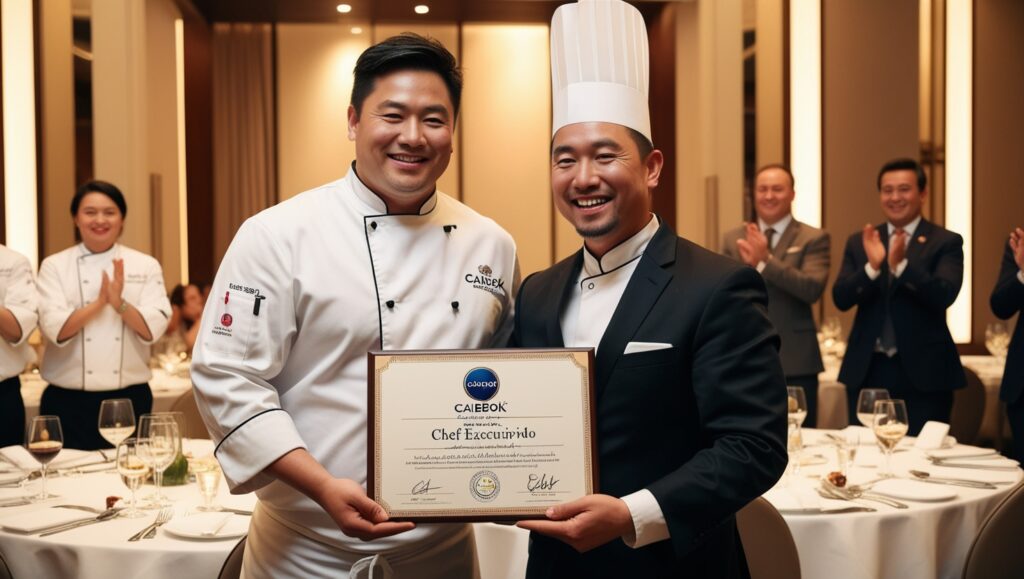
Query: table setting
{"points": [[76, 513]]}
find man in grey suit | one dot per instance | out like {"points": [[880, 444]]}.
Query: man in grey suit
{"points": [[793, 259]]}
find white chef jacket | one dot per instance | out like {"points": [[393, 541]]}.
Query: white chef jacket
{"points": [[18, 294], [106, 354], [306, 288]]}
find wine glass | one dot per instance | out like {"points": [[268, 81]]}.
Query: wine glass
{"points": [[117, 420], [797, 413], [45, 439], [866, 404], [797, 404], [891, 426], [133, 471], [159, 443], [208, 479], [997, 340], [846, 443]]}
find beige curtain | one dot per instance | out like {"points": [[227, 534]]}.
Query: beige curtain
{"points": [[244, 140]]}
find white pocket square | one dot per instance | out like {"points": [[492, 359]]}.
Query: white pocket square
{"points": [[794, 249], [637, 347]]}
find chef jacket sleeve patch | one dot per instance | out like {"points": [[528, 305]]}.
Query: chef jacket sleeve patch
{"points": [[234, 324]]}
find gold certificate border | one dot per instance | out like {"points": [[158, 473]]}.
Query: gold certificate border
{"points": [[379, 362]]}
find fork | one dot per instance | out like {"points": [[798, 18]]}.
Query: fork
{"points": [[162, 517], [850, 494]]}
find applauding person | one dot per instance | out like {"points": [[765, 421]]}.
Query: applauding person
{"points": [[1008, 299], [18, 301]]}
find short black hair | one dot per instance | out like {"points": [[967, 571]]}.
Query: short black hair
{"points": [[177, 297], [108, 189], [643, 144], [780, 166], [406, 51], [904, 164]]}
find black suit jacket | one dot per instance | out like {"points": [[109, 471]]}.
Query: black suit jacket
{"points": [[702, 425], [1008, 299], [917, 301]]}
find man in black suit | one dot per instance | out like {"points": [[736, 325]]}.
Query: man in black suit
{"points": [[902, 275], [690, 395], [1008, 299]]}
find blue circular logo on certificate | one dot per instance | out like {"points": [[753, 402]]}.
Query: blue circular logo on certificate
{"points": [[481, 384]]}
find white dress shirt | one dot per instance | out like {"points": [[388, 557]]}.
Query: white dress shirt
{"points": [[779, 226], [910, 229], [584, 321], [18, 294], [105, 354]]}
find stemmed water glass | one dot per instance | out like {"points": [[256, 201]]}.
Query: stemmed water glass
{"points": [[797, 413], [866, 404], [133, 471], [117, 420], [890, 427], [158, 445], [208, 480], [45, 440]]}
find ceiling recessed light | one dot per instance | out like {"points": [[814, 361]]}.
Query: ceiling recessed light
{"points": [[421, 9], [357, 30], [344, 8]]}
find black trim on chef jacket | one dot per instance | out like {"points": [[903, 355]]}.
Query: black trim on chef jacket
{"points": [[604, 273], [246, 421]]}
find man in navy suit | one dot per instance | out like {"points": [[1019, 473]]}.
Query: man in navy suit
{"points": [[1008, 299], [902, 275], [690, 394]]}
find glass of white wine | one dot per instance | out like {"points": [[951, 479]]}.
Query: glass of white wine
{"points": [[159, 443], [866, 405], [133, 471], [890, 427], [117, 420], [45, 440], [208, 475]]}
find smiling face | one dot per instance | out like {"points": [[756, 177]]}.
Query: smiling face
{"points": [[901, 199], [403, 137], [99, 222], [773, 195], [600, 183]]}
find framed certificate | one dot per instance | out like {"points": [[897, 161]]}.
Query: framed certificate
{"points": [[480, 435]]}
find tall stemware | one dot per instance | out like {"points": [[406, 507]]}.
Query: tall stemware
{"points": [[133, 470], [890, 426], [159, 443], [866, 404], [116, 420], [45, 440]]}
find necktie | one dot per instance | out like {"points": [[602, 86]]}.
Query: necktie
{"points": [[888, 338], [770, 235]]}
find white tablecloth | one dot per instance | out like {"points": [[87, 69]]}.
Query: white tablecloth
{"points": [[166, 389], [927, 540], [101, 550]]}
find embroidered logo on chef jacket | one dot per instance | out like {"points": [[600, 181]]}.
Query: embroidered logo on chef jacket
{"points": [[485, 281], [235, 320]]}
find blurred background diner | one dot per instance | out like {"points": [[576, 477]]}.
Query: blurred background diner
{"points": [[197, 114]]}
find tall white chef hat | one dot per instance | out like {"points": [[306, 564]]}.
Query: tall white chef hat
{"points": [[599, 65]]}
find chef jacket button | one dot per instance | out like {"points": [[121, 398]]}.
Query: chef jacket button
{"points": [[88, 371], [373, 225], [115, 371], [590, 286], [390, 304], [88, 339], [85, 281], [455, 306], [117, 339]]}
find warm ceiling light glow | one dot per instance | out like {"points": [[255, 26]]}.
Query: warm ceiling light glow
{"points": [[421, 9], [344, 8], [357, 30]]}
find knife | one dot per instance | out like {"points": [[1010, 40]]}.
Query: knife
{"points": [[975, 466], [105, 515], [820, 511], [958, 482], [237, 511]]}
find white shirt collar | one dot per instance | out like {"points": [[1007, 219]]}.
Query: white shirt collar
{"points": [[779, 226], [83, 251], [374, 202], [910, 228], [622, 253]]}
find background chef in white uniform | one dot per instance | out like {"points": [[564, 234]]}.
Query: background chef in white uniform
{"points": [[18, 302], [101, 305], [377, 260]]}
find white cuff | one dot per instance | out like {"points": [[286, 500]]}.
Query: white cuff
{"points": [[1020, 275], [253, 446], [872, 272], [649, 524], [760, 266], [900, 267]]}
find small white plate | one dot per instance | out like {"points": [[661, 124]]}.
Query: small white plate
{"points": [[192, 526], [913, 490]]}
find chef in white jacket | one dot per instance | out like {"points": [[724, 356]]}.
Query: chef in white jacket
{"points": [[18, 302], [376, 260], [101, 305]]}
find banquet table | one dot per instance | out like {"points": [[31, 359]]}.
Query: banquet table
{"points": [[166, 386], [101, 550], [930, 539]]}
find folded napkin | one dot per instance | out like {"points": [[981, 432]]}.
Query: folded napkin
{"points": [[793, 497], [36, 520], [68, 457], [962, 450]]}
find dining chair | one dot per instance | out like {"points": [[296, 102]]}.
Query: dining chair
{"points": [[995, 553], [186, 404], [767, 542], [232, 568], [968, 409], [5, 571]]}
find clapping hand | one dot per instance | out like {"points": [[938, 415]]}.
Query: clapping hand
{"points": [[754, 247], [1017, 246], [585, 523], [112, 288], [873, 246]]}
